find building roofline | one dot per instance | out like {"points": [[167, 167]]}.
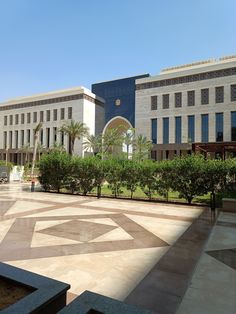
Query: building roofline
{"points": [[121, 78]]}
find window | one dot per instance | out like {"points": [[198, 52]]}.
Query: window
{"points": [[205, 96], [16, 119], [154, 155], [165, 130], [233, 125], [5, 140], [28, 136], [178, 130], [191, 129], [22, 137], [48, 115], [69, 112], [41, 116], [191, 98], [48, 137], [10, 139], [54, 114], [62, 138], [205, 128], [233, 92], [11, 119], [219, 127], [154, 130], [16, 139], [35, 116], [28, 117], [41, 136], [5, 120], [22, 118], [219, 94], [165, 101], [178, 100], [153, 102], [55, 134], [62, 113]]}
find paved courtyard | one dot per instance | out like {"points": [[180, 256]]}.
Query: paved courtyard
{"points": [[117, 248]]}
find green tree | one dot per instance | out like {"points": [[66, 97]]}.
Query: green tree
{"points": [[128, 140], [74, 130], [165, 177], [131, 175], [148, 177], [111, 139], [142, 147], [93, 144], [113, 175]]}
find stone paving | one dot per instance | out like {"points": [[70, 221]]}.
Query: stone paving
{"points": [[109, 246]]}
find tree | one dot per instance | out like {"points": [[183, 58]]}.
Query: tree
{"points": [[142, 147], [131, 175], [93, 144], [111, 138], [128, 140], [148, 177], [74, 130], [36, 138], [113, 175], [40, 148], [26, 149], [165, 177]]}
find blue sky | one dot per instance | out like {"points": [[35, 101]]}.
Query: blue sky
{"points": [[54, 44]]}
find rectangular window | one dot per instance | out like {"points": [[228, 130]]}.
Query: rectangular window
{"points": [[205, 128], [205, 96], [48, 115], [191, 129], [233, 92], [41, 136], [48, 137], [54, 114], [11, 119], [10, 139], [22, 118], [16, 119], [62, 113], [165, 130], [62, 138], [165, 101], [154, 130], [154, 155], [22, 137], [219, 94], [5, 140], [28, 136], [153, 102], [233, 125], [41, 116], [55, 134], [35, 117], [219, 127], [16, 139], [178, 130], [178, 100], [5, 120], [28, 117], [69, 112], [191, 98]]}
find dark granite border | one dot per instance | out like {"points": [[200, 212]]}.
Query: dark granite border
{"points": [[164, 287], [49, 295]]}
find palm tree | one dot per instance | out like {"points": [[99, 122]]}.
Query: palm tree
{"points": [[40, 148], [111, 138], [57, 147], [142, 147], [93, 144], [128, 139], [26, 149], [36, 139], [75, 130]]}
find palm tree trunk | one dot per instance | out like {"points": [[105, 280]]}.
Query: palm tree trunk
{"points": [[34, 153]]}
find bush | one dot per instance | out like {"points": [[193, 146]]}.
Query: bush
{"points": [[113, 173], [131, 176], [148, 177]]}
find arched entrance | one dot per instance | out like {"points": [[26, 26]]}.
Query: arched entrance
{"points": [[121, 125]]}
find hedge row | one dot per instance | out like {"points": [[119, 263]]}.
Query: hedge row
{"points": [[190, 176]]}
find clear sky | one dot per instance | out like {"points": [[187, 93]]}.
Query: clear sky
{"points": [[54, 44]]}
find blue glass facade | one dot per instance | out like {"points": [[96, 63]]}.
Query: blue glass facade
{"points": [[119, 97], [233, 125], [219, 127], [205, 128], [178, 130], [154, 131], [165, 130], [191, 129]]}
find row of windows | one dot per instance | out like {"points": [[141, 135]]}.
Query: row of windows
{"points": [[34, 117], [26, 135], [219, 128], [188, 78], [219, 97]]}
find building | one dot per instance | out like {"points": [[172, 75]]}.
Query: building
{"points": [[20, 116], [189, 107]]}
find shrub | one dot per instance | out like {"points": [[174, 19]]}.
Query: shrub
{"points": [[113, 171], [131, 175], [148, 177]]}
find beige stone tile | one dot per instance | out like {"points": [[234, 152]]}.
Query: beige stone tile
{"points": [[4, 227]]}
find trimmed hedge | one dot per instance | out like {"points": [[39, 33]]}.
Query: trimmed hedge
{"points": [[190, 176]]}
